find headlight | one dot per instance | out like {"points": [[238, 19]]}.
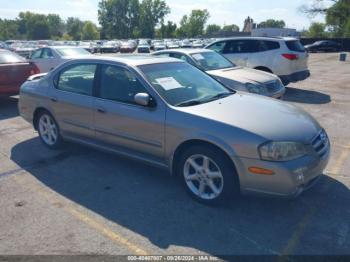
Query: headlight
{"points": [[256, 89], [281, 151]]}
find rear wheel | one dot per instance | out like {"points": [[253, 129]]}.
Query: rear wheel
{"points": [[207, 175], [48, 130]]}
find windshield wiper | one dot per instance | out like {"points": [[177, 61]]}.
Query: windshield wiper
{"points": [[218, 96], [190, 103]]}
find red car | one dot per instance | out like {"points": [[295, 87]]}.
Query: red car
{"points": [[14, 71]]}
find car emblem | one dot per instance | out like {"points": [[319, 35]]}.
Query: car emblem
{"points": [[324, 138]]}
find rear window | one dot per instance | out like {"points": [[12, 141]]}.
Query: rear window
{"points": [[72, 51], [7, 57], [295, 45]]}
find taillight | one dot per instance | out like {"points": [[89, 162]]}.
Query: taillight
{"points": [[35, 70], [290, 56]]}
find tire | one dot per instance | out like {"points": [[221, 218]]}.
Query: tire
{"points": [[48, 130], [214, 189]]}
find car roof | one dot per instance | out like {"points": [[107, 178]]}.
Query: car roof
{"points": [[258, 38], [187, 51], [131, 60]]}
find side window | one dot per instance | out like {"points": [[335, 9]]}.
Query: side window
{"points": [[163, 55], [119, 84], [271, 45], [241, 46], [46, 53], [77, 79], [179, 56], [36, 54], [218, 47]]}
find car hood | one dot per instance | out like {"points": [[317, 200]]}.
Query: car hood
{"points": [[243, 75], [265, 117]]}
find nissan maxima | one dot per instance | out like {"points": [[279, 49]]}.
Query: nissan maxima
{"points": [[168, 113]]}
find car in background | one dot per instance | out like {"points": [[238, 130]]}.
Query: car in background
{"points": [[109, 47], [3, 45], [143, 47], [284, 57], [324, 46], [234, 77], [186, 44], [88, 46], [159, 45], [47, 58], [218, 142], [14, 71], [198, 44], [172, 45], [127, 47]]}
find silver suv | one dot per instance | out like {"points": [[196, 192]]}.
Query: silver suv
{"points": [[284, 57]]}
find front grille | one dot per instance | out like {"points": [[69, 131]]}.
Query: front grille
{"points": [[321, 143], [273, 87]]}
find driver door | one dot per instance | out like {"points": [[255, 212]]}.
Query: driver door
{"points": [[119, 121]]}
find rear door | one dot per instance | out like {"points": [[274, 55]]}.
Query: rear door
{"points": [[44, 59], [71, 100]]}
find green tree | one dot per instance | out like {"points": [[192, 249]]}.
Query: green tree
{"points": [[167, 30], [316, 30], [212, 28], [230, 28], [118, 18], [152, 12], [9, 29], [337, 15], [193, 25], [74, 27], [90, 31], [34, 26], [272, 23], [56, 25]]}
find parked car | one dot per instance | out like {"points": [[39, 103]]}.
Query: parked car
{"points": [[88, 46], [218, 141], [127, 47], [109, 47], [14, 71], [234, 77], [159, 45], [284, 57], [143, 47], [186, 44], [324, 46], [48, 58], [198, 44]]}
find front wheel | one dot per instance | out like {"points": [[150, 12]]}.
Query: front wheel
{"points": [[208, 175], [49, 130]]}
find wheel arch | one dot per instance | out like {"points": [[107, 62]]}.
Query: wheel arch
{"points": [[37, 113]]}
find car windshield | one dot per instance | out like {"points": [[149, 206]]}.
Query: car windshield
{"points": [[181, 84], [72, 51], [8, 57], [211, 61]]}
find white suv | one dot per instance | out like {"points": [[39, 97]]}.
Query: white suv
{"points": [[284, 57]]}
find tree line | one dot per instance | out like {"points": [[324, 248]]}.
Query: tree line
{"points": [[123, 19]]}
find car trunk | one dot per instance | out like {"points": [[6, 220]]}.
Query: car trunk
{"points": [[301, 61], [12, 76]]}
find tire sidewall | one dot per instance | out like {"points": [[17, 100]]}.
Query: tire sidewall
{"points": [[59, 138], [227, 169]]}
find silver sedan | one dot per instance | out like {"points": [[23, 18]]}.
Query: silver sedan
{"points": [[171, 114], [234, 77]]}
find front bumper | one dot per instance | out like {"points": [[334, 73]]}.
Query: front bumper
{"points": [[295, 77], [291, 178]]}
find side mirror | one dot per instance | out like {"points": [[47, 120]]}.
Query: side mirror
{"points": [[142, 99]]}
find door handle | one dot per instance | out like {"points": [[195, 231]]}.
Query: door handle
{"points": [[53, 99], [101, 110]]}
